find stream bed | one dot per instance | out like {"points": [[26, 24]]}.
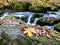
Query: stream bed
{"points": [[27, 17]]}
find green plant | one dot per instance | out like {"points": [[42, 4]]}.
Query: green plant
{"points": [[57, 27], [18, 6], [9, 17], [1, 5], [6, 37], [54, 8], [27, 4], [36, 8]]}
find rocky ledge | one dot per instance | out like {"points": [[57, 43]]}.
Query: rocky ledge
{"points": [[16, 32]]}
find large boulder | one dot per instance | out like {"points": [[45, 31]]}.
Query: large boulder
{"points": [[10, 32], [16, 32]]}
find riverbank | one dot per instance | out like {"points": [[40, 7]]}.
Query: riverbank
{"points": [[49, 19], [14, 31], [29, 22], [34, 6]]}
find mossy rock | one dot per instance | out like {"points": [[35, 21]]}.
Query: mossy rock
{"points": [[58, 5], [19, 6], [46, 21], [9, 17], [36, 8], [55, 34], [54, 8], [24, 39], [45, 39], [57, 27], [37, 15]]}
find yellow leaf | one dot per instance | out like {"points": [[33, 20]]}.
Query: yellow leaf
{"points": [[29, 31], [30, 34], [32, 30], [25, 32]]}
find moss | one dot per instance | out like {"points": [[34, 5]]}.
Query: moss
{"points": [[28, 41], [50, 40], [57, 43], [20, 21], [36, 38], [19, 6], [44, 39], [6, 37], [1, 8], [1, 42], [36, 8], [57, 27], [46, 21], [9, 17], [1, 5], [18, 42], [27, 4], [37, 15], [54, 8]]}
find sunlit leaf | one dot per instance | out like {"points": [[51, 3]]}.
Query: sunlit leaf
{"points": [[29, 31]]}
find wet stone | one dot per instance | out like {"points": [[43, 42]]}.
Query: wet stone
{"points": [[13, 31]]}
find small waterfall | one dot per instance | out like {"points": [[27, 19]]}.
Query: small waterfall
{"points": [[29, 19], [4, 15], [35, 21]]}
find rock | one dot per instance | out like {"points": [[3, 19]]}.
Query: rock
{"points": [[12, 33], [34, 17], [11, 26], [25, 19], [37, 15], [46, 21]]}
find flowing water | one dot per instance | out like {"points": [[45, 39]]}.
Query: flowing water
{"points": [[49, 27], [5, 14], [30, 14], [29, 18]]}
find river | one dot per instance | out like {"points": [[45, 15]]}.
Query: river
{"points": [[27, 16]]}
